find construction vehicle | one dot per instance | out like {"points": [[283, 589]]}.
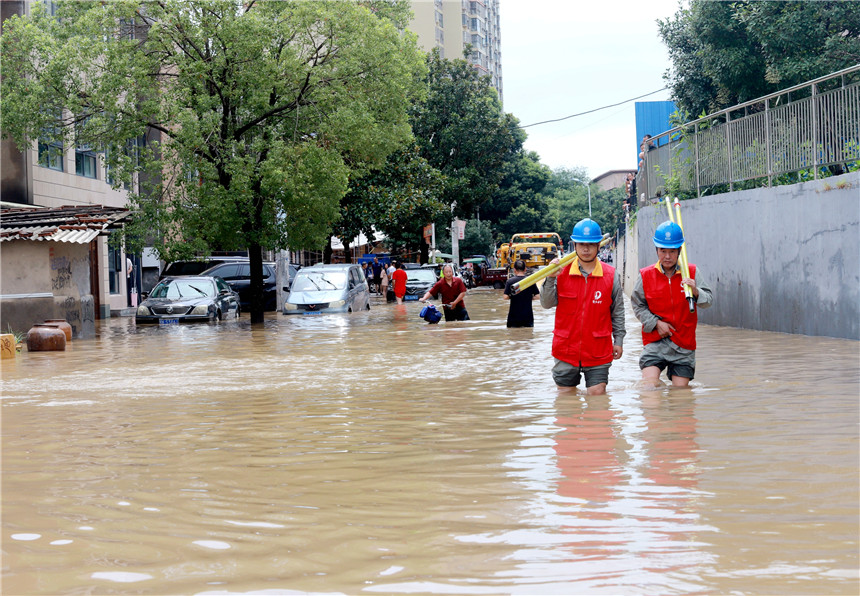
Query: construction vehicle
{"points": [[535, 249]]}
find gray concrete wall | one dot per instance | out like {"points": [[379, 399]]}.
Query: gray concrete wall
{"points": [[45, 280], [783, 259]]}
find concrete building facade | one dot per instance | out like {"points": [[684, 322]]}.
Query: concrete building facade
{"points": [[53, 176], [451, 25]]}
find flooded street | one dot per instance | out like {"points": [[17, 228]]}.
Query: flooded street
{"points": [[373, 453]]}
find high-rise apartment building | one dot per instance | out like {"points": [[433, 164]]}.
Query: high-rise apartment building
{"points": [[451, 25]]}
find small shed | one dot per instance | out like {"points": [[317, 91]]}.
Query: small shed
{"points": [[49, 264]]}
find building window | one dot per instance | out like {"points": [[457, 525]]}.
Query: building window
{"points": [[51, 155], [85, 157], [132, 149], [50, 145], [85, 162]]}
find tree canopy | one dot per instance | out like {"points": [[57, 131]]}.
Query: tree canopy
{"points": [[725, 53], [397, 200], [462, 131], [264, 108]]}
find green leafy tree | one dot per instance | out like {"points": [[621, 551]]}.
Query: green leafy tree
{"points": [[568, 200], [725, 53], [264, 109], [477, 239], [397, 200], [520, 205], [462, 131]]}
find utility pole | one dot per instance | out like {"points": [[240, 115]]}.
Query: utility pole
{"points": [[282, 278]]}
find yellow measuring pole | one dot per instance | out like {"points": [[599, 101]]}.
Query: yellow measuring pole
{"points": [[675, 217], [550, 269]]}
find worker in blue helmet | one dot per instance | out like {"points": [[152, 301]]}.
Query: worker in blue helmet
{"points": [[668, 321], [589, 316]]}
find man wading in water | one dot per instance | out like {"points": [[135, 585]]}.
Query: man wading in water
{"points": [[668, 326], [453, 292], [590, 311]]}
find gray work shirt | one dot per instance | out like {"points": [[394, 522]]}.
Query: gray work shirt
{"points": [[549, 299], [649, 319]]}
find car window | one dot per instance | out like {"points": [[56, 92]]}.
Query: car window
{"points": [[222, 285], [243, 270], [421, 275], [226, 271], [183, 288], [186, 268], [318, 281]]}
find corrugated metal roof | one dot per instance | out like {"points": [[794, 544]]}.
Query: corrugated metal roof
{"points": [[78, 224]]}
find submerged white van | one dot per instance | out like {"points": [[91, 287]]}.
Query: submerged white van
{"points": [[327, 289]]}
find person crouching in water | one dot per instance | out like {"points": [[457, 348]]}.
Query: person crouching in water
{"points": [[668, 326], [453, 292], [589, 317]]}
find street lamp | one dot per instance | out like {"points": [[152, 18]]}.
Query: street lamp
{"points": [[588, 187]]}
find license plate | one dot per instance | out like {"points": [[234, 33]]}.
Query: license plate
{"points": [[168, 321], [311, 313], [408, 298]]}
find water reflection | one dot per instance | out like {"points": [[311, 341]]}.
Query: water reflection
{"points": [[376, 453]]}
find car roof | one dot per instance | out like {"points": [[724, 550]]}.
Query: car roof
{"points": [[242, 262], [173, 277], [331, 266], [205, 259]]}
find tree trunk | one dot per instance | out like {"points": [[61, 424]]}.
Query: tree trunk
{"points": [[424, 249], [327, 253], [255, 256], [347, 253]]}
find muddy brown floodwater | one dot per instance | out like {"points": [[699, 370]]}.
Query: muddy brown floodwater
{"points": [[373, 453]]}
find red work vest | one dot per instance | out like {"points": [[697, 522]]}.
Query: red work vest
{"points": [[665, 297], [583, 318]]}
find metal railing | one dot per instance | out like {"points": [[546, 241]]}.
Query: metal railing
{"points": [[763, 138]]}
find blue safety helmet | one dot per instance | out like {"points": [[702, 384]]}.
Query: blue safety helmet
{"points": [[588, 231], [668, 235]]}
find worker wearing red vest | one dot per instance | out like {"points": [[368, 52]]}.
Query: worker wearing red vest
{"points": [[668, 326], [589, 318]]}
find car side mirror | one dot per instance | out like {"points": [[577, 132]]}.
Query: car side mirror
{"points": [[144, 295], [226, 292]]}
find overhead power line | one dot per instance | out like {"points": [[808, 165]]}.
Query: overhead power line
{"points": [[595, 109]]}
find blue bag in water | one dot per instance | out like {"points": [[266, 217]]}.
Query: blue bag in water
{"points": [[430, 314]]}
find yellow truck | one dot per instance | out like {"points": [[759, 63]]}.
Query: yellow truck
{"points": [[535, 249]]}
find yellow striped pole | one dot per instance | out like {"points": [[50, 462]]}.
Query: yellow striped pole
{"points": [[685, 266], [550, 269]]}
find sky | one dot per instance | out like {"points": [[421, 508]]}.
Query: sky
{"points": [[562, 57]]}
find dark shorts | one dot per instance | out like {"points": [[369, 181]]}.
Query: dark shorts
{"points": [[665, 355], [456, 314], [567, 375]]}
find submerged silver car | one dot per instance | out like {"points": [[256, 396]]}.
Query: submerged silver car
{"points": [[326, 289]]}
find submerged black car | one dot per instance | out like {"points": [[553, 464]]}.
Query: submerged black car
{"points": [[237, 274], [418, 281], [188, 298]]}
